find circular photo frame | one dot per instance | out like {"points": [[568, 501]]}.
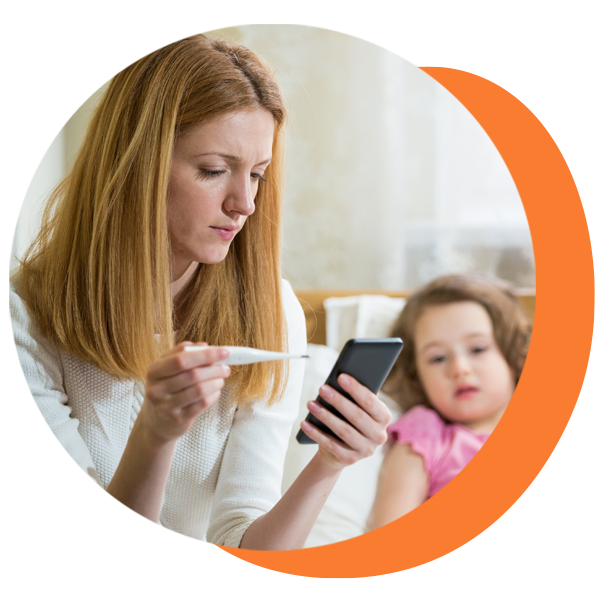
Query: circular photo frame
{"points": [[551, 381]]}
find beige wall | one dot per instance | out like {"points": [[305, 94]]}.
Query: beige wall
{"points": [[389, 180]]}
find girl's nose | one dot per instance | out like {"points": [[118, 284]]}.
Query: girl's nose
{"points": [[240, 196], [459, 366]]}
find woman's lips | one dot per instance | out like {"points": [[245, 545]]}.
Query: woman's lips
{"points": [[226, 234]]}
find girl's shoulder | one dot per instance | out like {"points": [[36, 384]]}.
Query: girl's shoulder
{"points": [[424, 430], [419, 420]]}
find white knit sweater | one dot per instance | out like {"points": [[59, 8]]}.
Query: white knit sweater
{"points": [[227, 468]]}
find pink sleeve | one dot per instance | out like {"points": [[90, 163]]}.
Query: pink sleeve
{"points": [[420, 427]]}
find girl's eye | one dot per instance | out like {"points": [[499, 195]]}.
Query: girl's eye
{"points": [[478, 349], [436, 359], [258, 176]]}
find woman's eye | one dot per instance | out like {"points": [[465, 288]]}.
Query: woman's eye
{"points": [[210, 173], [258, 176]]}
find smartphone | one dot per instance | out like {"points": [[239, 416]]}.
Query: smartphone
{"points": [[368, 360]]}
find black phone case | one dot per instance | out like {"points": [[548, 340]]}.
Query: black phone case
{"points": [[368, 360]]}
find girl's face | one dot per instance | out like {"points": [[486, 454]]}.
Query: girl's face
{"points": [[214, 179], [462, 370]]}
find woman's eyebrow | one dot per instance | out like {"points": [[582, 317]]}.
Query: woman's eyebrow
{"points": [[231, 157]]}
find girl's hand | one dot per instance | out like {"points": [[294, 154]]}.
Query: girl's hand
{"points": [[179, 386], [360, 438]]}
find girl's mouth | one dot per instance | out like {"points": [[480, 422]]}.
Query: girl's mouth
{"points": [[465, 392]]}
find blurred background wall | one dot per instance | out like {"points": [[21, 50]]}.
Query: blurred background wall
{"points": [[389, 179]]}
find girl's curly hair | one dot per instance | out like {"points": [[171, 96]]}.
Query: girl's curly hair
{"points": [[511, 328]]}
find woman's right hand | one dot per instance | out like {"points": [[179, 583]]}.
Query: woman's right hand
{"points": [[179, 386]]}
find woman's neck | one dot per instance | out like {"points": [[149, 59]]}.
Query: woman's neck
{"points": [[182, 279]]}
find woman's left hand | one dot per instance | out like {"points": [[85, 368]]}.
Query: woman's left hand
{"points": [[366, 430]]}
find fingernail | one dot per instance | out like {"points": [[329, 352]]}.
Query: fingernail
{"points": [[307, 426], [223, 353], [314, 406], [227, 370], [326, 392], [344, 379]]}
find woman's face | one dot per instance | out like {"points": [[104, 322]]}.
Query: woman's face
{"points": [[215, 174], [462, 370]]}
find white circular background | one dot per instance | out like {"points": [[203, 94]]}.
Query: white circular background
{"points": [[55, 55]]}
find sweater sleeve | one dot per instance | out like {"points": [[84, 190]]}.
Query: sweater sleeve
{"points": [[423, 429], [43, 372], [249, 483]]}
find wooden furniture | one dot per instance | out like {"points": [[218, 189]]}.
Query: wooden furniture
{"points": [[314, 311]]}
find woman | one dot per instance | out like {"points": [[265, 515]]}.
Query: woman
{"points": [[167, 233]]}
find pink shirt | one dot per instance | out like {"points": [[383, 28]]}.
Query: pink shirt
{"points": [[446, 448]]}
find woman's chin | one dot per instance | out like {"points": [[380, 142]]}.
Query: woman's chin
{"points": [[213, 257]]}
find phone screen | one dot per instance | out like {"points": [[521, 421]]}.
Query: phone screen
{"points": [[368, 360]]}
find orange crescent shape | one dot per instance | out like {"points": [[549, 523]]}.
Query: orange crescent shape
{"points": [[551, 381]]}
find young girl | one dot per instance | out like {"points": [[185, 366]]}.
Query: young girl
{"points": [[466, 340]]}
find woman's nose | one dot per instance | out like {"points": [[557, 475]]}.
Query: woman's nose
{"points": [[240, 196]]}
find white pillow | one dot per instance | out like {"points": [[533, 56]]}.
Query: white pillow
{"points": [[360, 317], [346, 511]]}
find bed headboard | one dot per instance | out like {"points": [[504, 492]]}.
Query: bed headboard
{"points": [[314, 311]]}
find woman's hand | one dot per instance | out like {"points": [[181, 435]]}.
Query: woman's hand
{"points": [[288, 524], [360, 438], [179, 386]]}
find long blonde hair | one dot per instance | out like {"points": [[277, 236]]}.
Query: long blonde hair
{"points": [[97, 276]]}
